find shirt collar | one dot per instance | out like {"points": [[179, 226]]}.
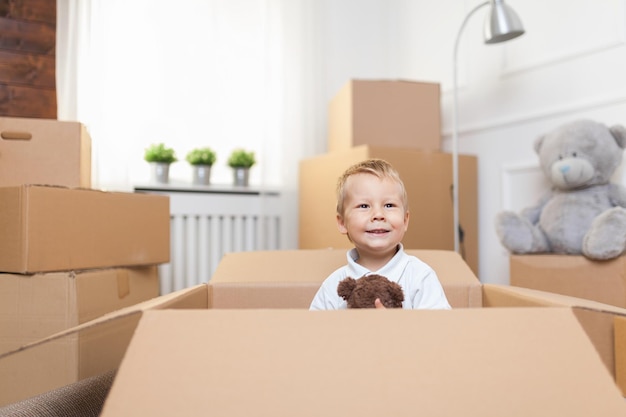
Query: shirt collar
{"points": [[393, 268]]}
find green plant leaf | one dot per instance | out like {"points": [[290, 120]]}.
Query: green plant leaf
{"points": [[240, 158], [160, 153], [201, 156]]}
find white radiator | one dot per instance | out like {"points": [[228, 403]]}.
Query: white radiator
{"points": [[206, 225]]}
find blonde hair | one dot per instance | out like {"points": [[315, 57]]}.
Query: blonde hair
{"points": [[377, 167]]}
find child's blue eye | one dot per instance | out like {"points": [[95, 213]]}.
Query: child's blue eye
{"points": [[363, 206], [390, 205]]}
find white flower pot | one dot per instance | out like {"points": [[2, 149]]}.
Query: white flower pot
{"points": [[201, 174], [160, 172], [241, 176]]}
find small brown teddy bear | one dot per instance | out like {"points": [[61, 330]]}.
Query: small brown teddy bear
{"points": [[362, 292]]}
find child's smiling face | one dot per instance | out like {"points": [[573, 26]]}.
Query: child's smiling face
{"points": [[374, 216]]}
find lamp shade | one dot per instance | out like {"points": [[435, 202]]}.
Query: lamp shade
{"points": [[502, 23]]}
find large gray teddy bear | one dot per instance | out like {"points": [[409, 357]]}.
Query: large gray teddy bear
{"points": [[584, 213]]}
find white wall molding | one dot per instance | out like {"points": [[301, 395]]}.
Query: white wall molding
{"points": [[520, 118], [590, 27], [557, 58]]}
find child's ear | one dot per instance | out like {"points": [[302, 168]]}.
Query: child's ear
{"points": [[341, 225], [406, 220]]}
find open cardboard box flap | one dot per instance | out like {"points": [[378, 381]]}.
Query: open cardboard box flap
{"points": [[266, 279], [87, 350], [496, 295], [277, 279], [280, 266], [596, 319], [473, 362]]}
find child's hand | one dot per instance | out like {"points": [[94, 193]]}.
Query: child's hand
{"points": [[379, 304]]}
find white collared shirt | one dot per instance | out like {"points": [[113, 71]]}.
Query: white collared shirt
{"points": [[418, 280]]}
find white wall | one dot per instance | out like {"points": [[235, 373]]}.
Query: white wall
{"points": [[558, 73], [569, 64]]}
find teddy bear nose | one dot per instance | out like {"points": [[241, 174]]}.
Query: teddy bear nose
{"points": [[564, 169]]}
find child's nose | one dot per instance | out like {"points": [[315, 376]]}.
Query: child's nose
{"points": [[378, 214]]}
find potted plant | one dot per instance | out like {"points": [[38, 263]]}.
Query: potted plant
{"points": [[201, 160], [160, 157], [241, 161]]}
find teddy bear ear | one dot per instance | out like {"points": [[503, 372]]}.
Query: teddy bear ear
{"points": [[345, 287], [619, 133]]}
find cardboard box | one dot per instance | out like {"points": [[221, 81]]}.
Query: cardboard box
{"points": [[602, 281], [98, 346], [84, 351], [46, 229], [392, 113], [266, 279], [44, 151], [243, 280], [596, 319], [487, 362], [104, 340], [427, 177], [33, 307]]}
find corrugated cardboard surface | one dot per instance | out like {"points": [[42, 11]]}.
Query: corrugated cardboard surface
{"points": [[472, 362], [43, 151], [99, 345], [83, 351], [577, 276], [427, 177], [394, 113], [103, 341], [596, 319], [47, 229], [33, 307], [266, 279], [276, 279]]}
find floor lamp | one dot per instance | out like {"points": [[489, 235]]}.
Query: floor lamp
{"points": [[501, 25]]}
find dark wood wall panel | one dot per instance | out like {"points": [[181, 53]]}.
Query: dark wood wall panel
{"points": [[27, 58], [29, 37], [27, 69], [27, 102], [31, 10]]}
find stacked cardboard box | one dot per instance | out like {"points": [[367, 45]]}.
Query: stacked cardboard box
{"points": [[500, 350], [42, 151], [574, 275], [68, 253], [398, 121], [397, 114]]}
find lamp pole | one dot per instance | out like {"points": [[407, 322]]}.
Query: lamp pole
{"points": [[502, 25]]}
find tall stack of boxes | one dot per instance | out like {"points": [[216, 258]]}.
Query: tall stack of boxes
{"points": [[399, 121], [68, 253]]}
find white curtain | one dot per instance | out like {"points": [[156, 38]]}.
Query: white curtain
{"points": [[218, 73]]}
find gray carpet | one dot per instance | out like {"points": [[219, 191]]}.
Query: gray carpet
{"points": [[84, 398]]}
